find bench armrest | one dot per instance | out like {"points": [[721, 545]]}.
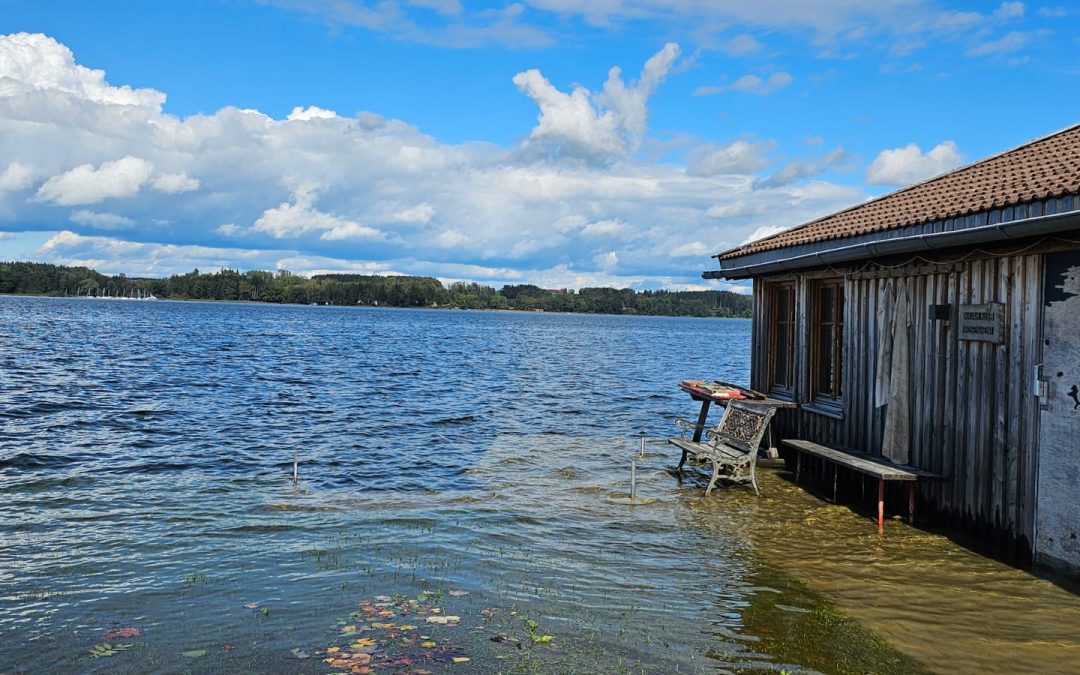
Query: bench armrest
{"points": [[686, 425]]}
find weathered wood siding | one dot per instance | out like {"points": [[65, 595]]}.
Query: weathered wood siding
{"points": [[973, 414]]}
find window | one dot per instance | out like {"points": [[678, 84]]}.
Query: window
{"points": [[827, 341], [782, 338]]}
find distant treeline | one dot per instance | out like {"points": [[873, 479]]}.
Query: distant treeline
{"points": [[355, 289]]}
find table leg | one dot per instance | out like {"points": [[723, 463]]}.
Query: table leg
{"points": [[771, 452], [911, 503], [704, 415], [682, 461], [798, 464], [881, 504], [835, 469]]}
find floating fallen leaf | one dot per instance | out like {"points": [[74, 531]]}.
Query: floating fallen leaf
{"points": [[446, 654], [399, 661], [300, 653], [348, 629], [351, 660], [461, 659], [383, 598], [333, 650], [386, 612], [105, 649], [428, 643], [443, 620], [363, 642], [458, 594], [194, 653], [227, 647], [127, 632], [508, 640], [406, 627], [251, 605]]}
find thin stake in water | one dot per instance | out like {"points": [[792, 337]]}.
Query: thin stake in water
{"points": [[295, 467], [633, 480]]}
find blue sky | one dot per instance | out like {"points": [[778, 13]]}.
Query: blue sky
{"points": [[492, 141]]}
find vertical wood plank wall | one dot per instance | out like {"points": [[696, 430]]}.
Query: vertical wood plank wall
{"points": [[973, 414]]}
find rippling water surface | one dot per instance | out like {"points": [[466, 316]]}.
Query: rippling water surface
{"points": [[145, 481]]}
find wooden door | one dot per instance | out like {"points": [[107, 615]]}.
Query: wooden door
{"points": [[1057, 515]]}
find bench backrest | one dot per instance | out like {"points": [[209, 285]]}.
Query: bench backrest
{"points": [[743, 425]]}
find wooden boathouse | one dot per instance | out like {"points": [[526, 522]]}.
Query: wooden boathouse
{"points": [[939, 327]]}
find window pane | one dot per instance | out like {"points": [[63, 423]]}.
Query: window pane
{"points": [[783, 348], [827, 309], [839, 340], [826, 363]]}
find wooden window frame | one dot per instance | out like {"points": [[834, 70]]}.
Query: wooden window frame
{"points": [[776, 323], [827, 397]]}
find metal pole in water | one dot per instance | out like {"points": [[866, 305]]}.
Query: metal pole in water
{"points": [[641, 455], [295, 467], [633, 480]]}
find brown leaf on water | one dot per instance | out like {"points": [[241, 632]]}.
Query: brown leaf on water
{"points": [[507, 640], [126, 632], [251, 605], [227, 647]]}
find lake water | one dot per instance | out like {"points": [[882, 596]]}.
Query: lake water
{"points": [[450, 464]]}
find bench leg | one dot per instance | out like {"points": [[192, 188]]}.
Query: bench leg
{"points": [[798, 464], [682, 461], [834, 471], [880, 504], [911, 503], [715, 475]]}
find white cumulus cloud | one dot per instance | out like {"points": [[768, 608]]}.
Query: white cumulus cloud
{"points": [[421, 213], [31, 63], [299, 217], [907, 165], [86, 184], [175, 183], [312, 112], [607, 125], [740, 157], [101, 221], [16, 176]]}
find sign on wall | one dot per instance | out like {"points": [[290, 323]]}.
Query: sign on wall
{"points": [[983, 323]]}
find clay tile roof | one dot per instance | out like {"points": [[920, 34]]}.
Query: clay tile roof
{"points": [[1047, 167]]}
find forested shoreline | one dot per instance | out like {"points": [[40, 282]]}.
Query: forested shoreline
{"points": [[26, 278]]}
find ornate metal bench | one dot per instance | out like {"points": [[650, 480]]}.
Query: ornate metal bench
{"points": [[732, 446]]}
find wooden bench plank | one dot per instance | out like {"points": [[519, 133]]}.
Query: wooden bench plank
{"points": [[866, 464]]}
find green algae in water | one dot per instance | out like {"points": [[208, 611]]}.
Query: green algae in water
{"points": [[796, 625]]}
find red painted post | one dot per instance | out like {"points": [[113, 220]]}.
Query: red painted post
{"points": [[881, 504]]}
